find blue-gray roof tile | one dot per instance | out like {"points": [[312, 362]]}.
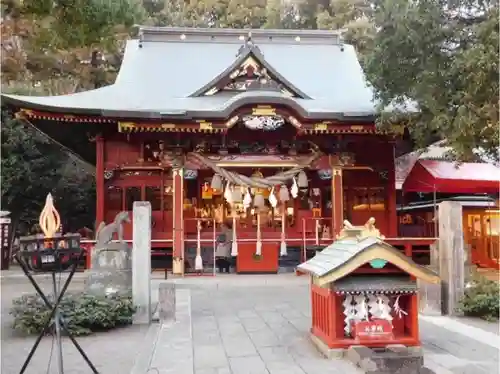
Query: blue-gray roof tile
{"points": [[159, 72]]}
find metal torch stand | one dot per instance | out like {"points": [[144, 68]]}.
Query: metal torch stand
{"points": [[55, 318]]}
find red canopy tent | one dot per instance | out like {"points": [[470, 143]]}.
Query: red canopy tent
{"points": [[429, 176]]}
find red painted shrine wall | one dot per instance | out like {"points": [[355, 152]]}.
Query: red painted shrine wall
{"points": [[366, 193], [134, 183]]}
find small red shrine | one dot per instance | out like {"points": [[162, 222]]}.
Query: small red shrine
{"points": [[363, 292], [270, 131], [424, 178]]}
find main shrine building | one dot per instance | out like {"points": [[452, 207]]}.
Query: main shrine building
{"points": [[264, 140]]}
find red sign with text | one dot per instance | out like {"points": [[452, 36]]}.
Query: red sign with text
{"points": [[376, 329]]}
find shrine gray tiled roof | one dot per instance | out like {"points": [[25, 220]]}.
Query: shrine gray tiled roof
{"points": [[354, 284], [160, 71], [336, 254]]}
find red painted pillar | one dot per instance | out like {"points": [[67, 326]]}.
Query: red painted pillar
{"points": [[413, 315], [100, 190], [99, 179], [178, 218], [337, 201], [392, 214]]}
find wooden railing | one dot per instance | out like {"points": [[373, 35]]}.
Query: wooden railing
{"points": [[322, 312]]}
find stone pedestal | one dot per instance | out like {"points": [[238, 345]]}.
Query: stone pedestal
{"points": [[111, 270], [451, 254], [429, 298], [141, 262], [166, 302], [178, 266], [391, 360]]}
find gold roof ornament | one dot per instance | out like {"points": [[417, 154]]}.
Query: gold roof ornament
{"points": [[50, 220], [360, 232]]}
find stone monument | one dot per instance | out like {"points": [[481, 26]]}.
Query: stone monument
{"points": [[111, 263], [451, 254], [141, 262]]}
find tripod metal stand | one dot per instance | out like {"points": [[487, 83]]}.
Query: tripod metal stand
{"points": [[52, 253], [55, 319]]}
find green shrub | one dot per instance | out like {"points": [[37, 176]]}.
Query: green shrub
{"points": [[83, 313], [481, 299]]}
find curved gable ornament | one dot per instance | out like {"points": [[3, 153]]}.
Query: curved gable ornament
{"points": [[250, 71], [265, 123]]}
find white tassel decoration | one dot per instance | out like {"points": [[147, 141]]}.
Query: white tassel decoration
{"points": [[198, 262], [272, 198], [247, 201], [237, 194], [228, 194], [284, 195], [258, 246], [216, 183], [302, 180], [283, 248], [295, 189], [234, 244], [258, 201]]}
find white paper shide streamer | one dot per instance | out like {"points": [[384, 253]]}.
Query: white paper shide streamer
{"points": [[247, 200], [349, 313], [283, 247], [397, 309], [234, 244], [198, 262], [295, 189], [272, 198], [258, 245]]}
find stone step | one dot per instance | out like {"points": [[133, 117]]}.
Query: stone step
{"points": [[393, 359]]}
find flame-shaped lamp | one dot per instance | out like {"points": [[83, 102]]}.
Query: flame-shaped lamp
{"points": [[53, 252], [49, 220]]}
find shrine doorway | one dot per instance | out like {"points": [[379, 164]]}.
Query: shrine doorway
{"points": [[482, 233]]}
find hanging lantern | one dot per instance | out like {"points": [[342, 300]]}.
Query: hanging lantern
{"points": [[258, 201], [302, 180], [272, 199], [284, 195], [216, 182], [237, 194], [295, 189], [247, 201], [228, 194]]}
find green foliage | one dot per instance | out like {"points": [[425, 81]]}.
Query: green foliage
{"points": [[443, 56], [482, 299], [83, 313], [58, 40], [32, 166]]}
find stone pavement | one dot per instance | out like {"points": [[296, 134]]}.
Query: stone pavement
{"points": [[236, 325], [260, 324]]}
